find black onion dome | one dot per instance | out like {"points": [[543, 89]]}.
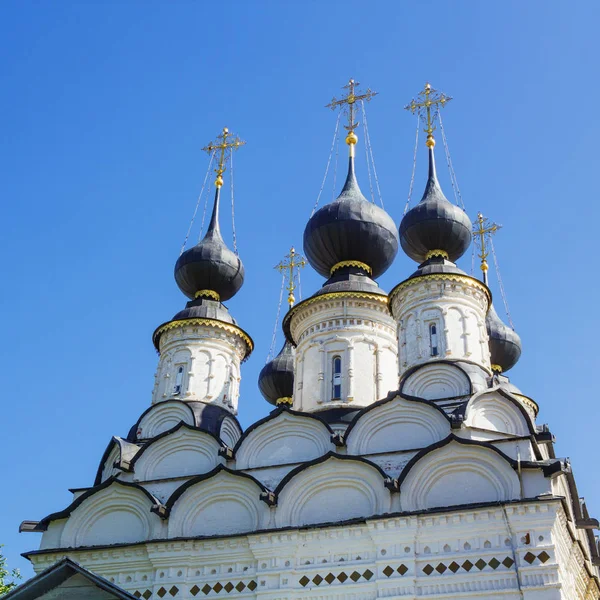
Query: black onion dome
{"points": [[435, 223], [210, 265], [276, 379], [350, 229], [505, 343]]}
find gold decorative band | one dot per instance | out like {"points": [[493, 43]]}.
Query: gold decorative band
{"points": [[433, 253], [351, 263], [209, 323], [529, 402], [470, 281], [497, 368], [208, 294], [285, 400]]}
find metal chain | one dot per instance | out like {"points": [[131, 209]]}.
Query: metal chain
{"points": [[500, 284], [187, 235], [367, 152], [457, 196], [412, 177], [235, 248], [337, 124], [335, 166], [370, 146], [274, 336]]}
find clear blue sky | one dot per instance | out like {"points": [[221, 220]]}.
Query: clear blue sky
{"points": [[105, 107]]}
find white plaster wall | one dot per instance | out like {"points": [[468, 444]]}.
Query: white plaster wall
{"points": [[278, 561], [458, 310], [437, 381], [360, 331], [210, 358]]}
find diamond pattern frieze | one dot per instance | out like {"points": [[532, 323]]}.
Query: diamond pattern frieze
{"points": [[480, 564], [223, 588], [343, 577]]}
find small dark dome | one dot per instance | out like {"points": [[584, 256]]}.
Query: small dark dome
{"points": [[210, 266], [435, 224], [276, 380], [350, 229], [505, 343]]}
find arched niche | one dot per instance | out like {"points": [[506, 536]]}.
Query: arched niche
{"points": [[283, 437], [176, 453], [494, 411], [333, 489], [396, 424], [230, 432], [112, 514], [117, 457], [436, 381], [456, 472], [163, 416], [222, 503]]}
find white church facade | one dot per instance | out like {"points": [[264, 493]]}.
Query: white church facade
{"points": [[399, 460]]}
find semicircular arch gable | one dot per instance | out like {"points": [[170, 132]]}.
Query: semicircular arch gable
{"points": [[457, 472]]}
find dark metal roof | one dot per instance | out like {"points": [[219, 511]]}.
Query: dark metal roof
{"points": [[505, 343], [205, 308], [435, 223], [210, 265], [350, 228], [56, 575], [276, 379], [435, 266], [349, 279]]}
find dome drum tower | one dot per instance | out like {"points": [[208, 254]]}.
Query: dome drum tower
{"points": [[346, 327], [202, 347]]}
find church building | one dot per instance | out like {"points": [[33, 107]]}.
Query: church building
{"points": [[399, 461]]}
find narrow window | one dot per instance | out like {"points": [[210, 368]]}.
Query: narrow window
{"points": [[433, 338], [178, 381], [337, 378]]}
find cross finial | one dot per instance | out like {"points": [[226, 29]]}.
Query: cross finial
{"points": [[482, 230], [292, 261], [347, 102], [224, 144], [427, 104]]}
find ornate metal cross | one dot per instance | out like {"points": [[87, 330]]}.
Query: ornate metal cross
{"points": [[482, 230], [224, 145], [427, 105], [292, 261], [349, 101]]}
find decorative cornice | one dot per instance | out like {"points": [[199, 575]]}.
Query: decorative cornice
{"points": [[233, 329], [380, 298], [208, 294], [433, 253], [465, 279], [351, 263]]}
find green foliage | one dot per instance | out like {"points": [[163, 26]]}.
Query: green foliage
{"points": [[7, 577]]}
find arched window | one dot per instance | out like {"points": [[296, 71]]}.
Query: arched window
{"points": [[433, 339], [178, 381], [336, 388]]}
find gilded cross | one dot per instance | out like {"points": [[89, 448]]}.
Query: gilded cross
{"points": [[223, 146], [293, 261], [427, 105], [482, 230], [352, 97]]}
